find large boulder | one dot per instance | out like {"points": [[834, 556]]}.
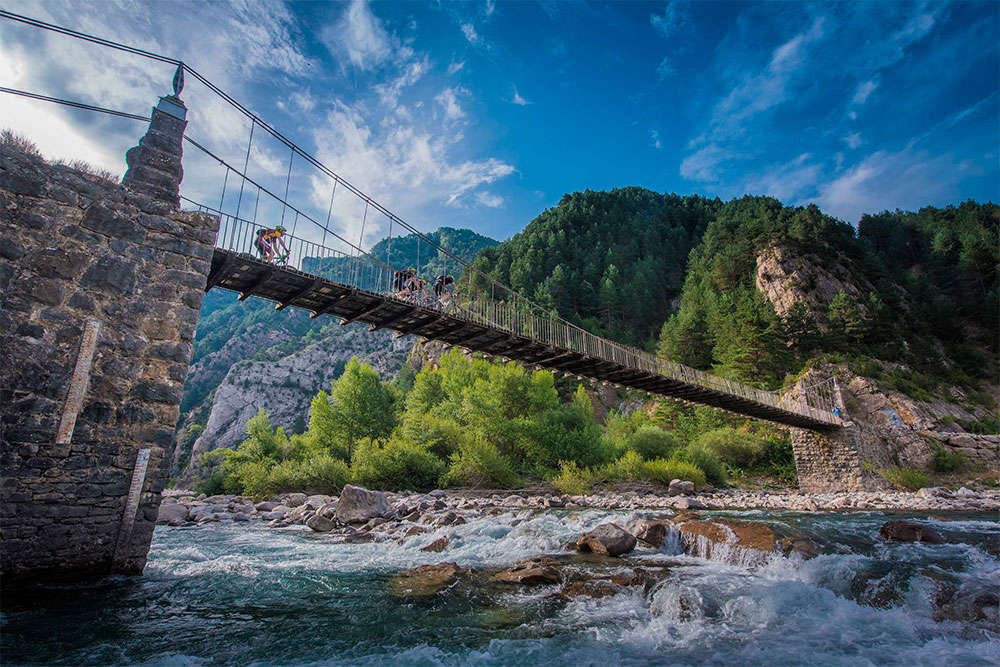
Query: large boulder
{"points": [[357, 505], [437, 545], [909, 531], [172, 514], [295, 499], [745, 542], [425, 580], [608, 539]]}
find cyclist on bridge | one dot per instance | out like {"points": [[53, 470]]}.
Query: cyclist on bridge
{"points": [[269, 242], [444, 289]]}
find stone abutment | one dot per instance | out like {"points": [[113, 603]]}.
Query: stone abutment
{"points": [[100, 290]]}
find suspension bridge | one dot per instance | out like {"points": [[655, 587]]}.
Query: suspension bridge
{"points": [[330, 275]]}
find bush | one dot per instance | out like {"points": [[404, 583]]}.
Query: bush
{"points": [[736, 448], [628, 467], [661, 471], [563, 433], [438, 435], [479, 463], [573, 480], [945, 461], [397, 465], [321, 473], [652, 443], [706, 460], [906, 478]]}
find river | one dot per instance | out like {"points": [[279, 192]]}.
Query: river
{"points": [[238, 594]]}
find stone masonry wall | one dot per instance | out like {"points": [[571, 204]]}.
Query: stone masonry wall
{"points": [[82, 256]]}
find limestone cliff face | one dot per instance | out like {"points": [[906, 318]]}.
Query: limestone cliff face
{"points": [[285, 387], [786, 276]]}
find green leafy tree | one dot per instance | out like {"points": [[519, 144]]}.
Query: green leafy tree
{"points": [[362, 406]]}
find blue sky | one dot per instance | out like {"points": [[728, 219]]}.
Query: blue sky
{"points": [[483, 114]]}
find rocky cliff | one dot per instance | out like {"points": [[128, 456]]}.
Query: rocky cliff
{"points": [[285, 386]]}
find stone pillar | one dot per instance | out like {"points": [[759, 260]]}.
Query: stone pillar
{"points": [[100, 290], [154, 166]]}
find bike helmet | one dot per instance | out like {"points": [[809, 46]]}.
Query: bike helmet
{"points": [[279, 228]]}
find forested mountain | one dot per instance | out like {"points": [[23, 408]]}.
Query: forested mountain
{"points": [[918, 289], [409, 251], [611, 262]]}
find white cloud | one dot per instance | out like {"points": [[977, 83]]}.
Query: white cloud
{"points": [[787, 182], [448, 99], [489, 200], [454, 67], [865, 88], [853, 140], [654, 139], [470, 33], [360, 37], [664, 69], [906, 179], [490, 7], [703, 165], [517, 99]]}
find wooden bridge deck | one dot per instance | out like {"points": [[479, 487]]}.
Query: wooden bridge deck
{"points": [[289, 287]]}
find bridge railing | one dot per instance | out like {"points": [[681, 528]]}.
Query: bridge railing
{"points": [[363, 271]]}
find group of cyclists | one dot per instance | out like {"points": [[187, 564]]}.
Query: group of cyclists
{"points": [[406, 284], [411, 287]]}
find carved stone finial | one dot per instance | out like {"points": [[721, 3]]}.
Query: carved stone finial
{"points": [[179, 80]]}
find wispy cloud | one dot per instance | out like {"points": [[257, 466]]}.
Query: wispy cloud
{"points": [[864, 89], [470, 33], [454, 67], [853, 140], [664, 69], [489, 200], [448, 99], [654, 139], [360, 38], [908, 179], [517, 99], [671, 20]]}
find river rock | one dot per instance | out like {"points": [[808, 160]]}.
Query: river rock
{"points": [[437, 545], [266, 506], [300, 514], [241, 516], [595, 589], [650, 531], [531, 572], [679, 487], [909, 531], [172, 514], [357, 505], [745, 535], [684, 503], [608, 539], [425, 580], [295, 499], [320, 523], [317, 501]]}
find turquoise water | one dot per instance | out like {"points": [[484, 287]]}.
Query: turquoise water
{"points": [[233, 594]]}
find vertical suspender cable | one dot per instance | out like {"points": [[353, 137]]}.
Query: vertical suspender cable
{"points": [[288, 179], [246, 163]]}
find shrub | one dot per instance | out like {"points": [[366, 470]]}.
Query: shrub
{"points": [[321, 473], [211, 485], [706, 460], [652, 443], [628, 467], [906, 478], [20, 142], [945, 461], [563, 433], [438, 435], [736, 448], [661, 471], [479, 463], [397, 465], [573, 480]]}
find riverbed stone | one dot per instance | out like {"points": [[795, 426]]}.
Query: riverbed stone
{"points": [[910, 531], [295, 499], [172, 514], [437, 545], [608, 539], [357, 504], [679, 487], [650, 531], [531, 572], [425, 580], [320, 523]]}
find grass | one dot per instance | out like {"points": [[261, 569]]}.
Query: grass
{"points": [[907, 479]]}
